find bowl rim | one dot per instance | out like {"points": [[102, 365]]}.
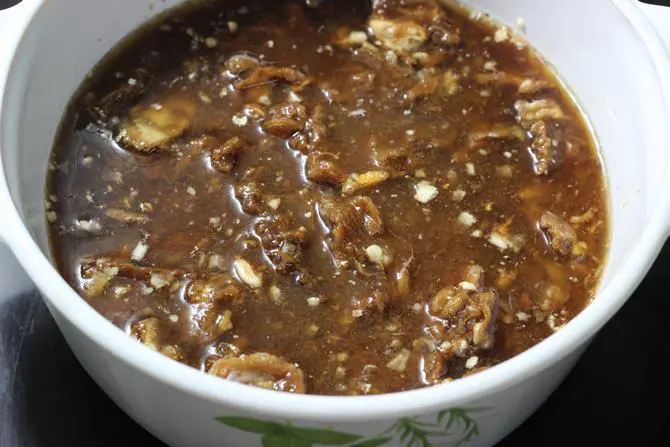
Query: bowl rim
{"points": [[227, 394]]}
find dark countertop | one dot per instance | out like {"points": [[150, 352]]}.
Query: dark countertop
{"points": [[4, 4], [617, 395]]}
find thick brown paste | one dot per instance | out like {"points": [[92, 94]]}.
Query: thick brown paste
{"points": [[329, 197]]}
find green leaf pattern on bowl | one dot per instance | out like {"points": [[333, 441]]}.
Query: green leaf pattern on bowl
{"points": [[454, 427]]}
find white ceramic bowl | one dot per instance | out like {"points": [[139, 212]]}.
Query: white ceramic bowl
{"points": [[609, 56]]}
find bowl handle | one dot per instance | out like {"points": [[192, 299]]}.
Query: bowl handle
{"points": [[14, 15], [658, 13]]}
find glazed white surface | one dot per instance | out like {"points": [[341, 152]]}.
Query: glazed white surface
{"points": [[659, 16], [13, 279]]}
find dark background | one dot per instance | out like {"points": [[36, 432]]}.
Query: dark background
{"points": [[617, 395], [4, 4]]}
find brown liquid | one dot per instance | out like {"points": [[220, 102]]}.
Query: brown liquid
{"points": [[360, 303]]}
